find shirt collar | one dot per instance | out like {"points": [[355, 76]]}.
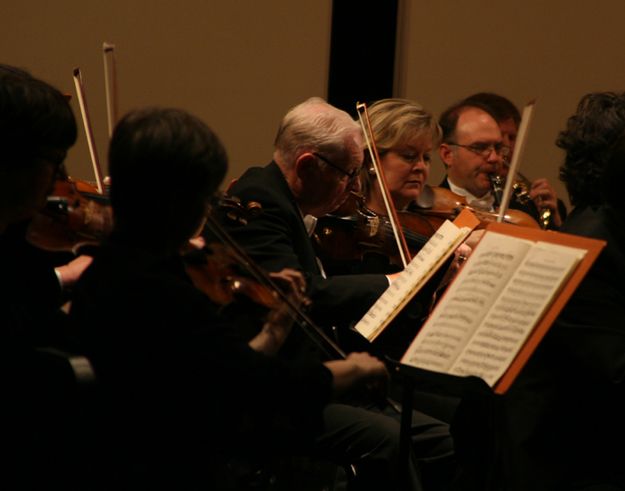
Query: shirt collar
{"points": [[310, 222], [485, 203]]}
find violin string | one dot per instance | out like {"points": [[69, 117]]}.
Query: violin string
{"points": [[414, 237]]}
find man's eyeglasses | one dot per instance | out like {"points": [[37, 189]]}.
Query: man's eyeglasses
{"points": [[352, 175], [484, 149]]}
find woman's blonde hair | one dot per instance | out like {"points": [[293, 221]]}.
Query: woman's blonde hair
{"points": [[395, 122]]}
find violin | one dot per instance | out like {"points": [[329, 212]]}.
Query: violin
{"points": [[344, 240], [231, 272], [75, 215], [354, 239], [445, 204], [215, 271]]}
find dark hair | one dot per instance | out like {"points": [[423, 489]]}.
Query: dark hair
{"points": [[588, 141], [36, 120], [614, 175], [500, 107], [165, 165], [449, 118]]}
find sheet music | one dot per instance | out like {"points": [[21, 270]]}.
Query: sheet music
{"points": [[516, 311], [466, 302], [492, 334], [436, 251]]}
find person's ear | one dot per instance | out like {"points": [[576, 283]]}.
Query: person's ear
{"points": [[306, 166], [446, 153]]}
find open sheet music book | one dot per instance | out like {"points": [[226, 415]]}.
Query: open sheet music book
{"points": [[420, 269], [500, 305]]}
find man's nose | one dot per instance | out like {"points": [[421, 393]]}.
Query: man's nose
{"points": [[494, 156]]}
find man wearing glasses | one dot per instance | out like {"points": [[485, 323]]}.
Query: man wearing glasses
{"points": [[316, 161], [471, 150], [317, 157], [542, 202]]}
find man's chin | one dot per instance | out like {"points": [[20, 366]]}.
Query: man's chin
{"points": [[485, 184]]}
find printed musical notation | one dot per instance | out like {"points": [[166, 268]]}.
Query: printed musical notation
{"points": [[422, 267], [492, 306]]}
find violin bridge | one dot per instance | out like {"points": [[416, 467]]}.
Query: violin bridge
{"points": [[372, 226]]}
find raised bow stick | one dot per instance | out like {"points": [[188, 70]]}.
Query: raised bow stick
{"points": [[365, 123], [110, 84], [80, 93], [526, 118]]}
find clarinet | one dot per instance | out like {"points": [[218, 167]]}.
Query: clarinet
{"points": [[497, 184]]}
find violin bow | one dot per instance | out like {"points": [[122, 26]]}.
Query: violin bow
{"points": [[526, 117], [309, 327], [110, 84], [365, 123], [80, 93], [314, 332], [260, 275]]}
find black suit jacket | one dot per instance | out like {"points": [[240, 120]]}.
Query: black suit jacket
{"points": [[277, 239]]}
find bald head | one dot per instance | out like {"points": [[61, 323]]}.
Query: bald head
{"points": [[472, 150], [474, 122]]}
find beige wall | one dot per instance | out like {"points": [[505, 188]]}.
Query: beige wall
{"points": [[239, 65], [554, 51]]}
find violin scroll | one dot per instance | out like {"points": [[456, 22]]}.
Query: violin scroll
{"points": [[236, 211]]}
